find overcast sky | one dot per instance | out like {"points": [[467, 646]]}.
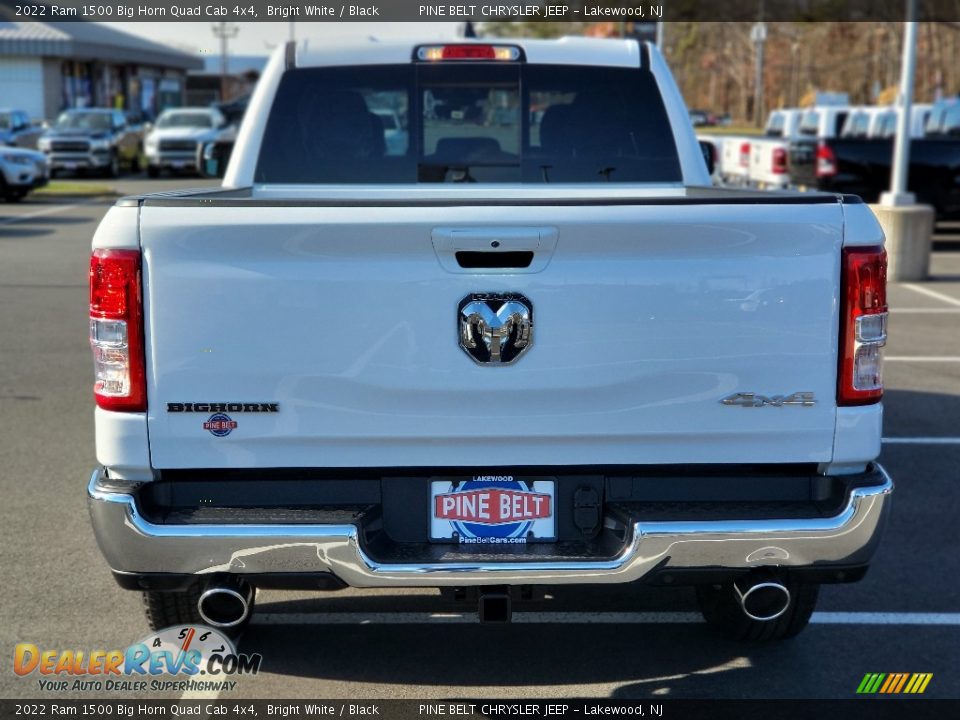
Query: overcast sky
{"points": [[261, 38]]}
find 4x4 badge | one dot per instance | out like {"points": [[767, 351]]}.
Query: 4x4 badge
{"points": [[753, 400]]}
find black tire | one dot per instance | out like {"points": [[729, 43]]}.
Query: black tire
{"points": [[153, 171], [15, 195], [135, 162], [720, 609], [164, 609], [113, 169]]}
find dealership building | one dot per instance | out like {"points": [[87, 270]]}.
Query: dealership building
{"points": [[47, 67]]}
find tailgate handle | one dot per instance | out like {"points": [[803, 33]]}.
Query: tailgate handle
{"points": [[494, 249], [508, 259], [487, 239]]}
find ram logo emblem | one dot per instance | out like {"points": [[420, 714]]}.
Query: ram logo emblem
{"points": [[495, 328], [754, 400]]}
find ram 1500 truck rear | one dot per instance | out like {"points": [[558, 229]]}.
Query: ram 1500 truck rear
{"points": [[524, 344]]}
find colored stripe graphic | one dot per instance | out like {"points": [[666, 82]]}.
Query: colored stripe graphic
{"points": [[903, 681], [894, 683], [892, 679], [870, 683]]}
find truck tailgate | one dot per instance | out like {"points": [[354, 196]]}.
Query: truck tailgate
{"points": [[345, 319]]}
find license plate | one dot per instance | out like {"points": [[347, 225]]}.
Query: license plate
{"points": [[492, 510], [70, 166]]}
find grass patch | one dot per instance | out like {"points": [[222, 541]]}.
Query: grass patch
{"points": [[60, 187]]}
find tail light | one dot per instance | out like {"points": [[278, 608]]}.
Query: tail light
{"points": [[779, 161], [826, 161], [863, 325], [116, 330], [745, 154]]}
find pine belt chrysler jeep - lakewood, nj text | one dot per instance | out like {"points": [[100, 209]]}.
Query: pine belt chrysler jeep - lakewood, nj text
{"points": [[519, 343]]}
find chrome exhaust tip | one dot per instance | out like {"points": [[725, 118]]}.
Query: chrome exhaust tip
{"points": [[225, 604], [763, 600]]}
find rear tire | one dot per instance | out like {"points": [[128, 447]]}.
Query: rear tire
{"points": [[722, 612], [113, 169], [164, 609]]}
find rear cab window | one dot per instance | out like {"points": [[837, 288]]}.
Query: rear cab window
{"points": [[810, 123], [857, 125], [467, 122], [944, 119], [775, 126]]}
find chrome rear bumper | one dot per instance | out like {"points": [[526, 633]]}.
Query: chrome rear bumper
{"points": [[134, 545]]}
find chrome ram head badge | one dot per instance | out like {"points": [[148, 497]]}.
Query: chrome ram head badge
{"points": [[495, 328]]}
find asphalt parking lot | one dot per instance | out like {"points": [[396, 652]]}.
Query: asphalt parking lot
{"points": [[607, 642]]}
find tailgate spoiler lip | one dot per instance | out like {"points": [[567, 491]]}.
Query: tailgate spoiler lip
{"points": [[242, 197]]}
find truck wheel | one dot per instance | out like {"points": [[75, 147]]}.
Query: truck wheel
{"points": [[164, 609], [722, 611], [113, 169]]}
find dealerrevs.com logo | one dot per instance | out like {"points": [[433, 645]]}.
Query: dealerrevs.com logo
{"points": [[178, 658]]}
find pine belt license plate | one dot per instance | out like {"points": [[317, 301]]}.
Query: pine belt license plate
{"points": [[492, 510]]}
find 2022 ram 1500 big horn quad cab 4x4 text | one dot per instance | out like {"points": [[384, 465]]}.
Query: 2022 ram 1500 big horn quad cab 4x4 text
{"points": [[527, 346]]}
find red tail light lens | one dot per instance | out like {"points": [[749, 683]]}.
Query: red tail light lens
{"points": [[863, 325], [745, 154], [116, 330], [779, 161], [826, 161]]}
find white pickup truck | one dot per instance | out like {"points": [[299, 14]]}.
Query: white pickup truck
{"points": [[530, 347]]}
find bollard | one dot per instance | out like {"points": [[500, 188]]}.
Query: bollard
{"points": [[909, 233]]}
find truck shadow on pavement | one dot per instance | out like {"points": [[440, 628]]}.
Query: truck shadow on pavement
{"points": [[554, 660], [514, 658]]}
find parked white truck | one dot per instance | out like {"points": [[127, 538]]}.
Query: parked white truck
{"points": [[533, 347]]}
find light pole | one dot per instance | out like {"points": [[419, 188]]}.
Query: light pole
{"points": [[907, 226], [225, 31], [898, 194], [758, 34]]}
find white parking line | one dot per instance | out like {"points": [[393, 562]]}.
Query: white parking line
{"points": [[585, 618], [922, 311], [39, 213], [921, 441], [868, 618], [922, 358], [931, 293]]}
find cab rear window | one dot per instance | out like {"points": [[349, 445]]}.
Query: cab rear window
{"points": [[467, 122]]}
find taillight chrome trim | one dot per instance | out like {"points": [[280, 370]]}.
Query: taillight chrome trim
{"points": [[855, 261], [127, 343]]}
